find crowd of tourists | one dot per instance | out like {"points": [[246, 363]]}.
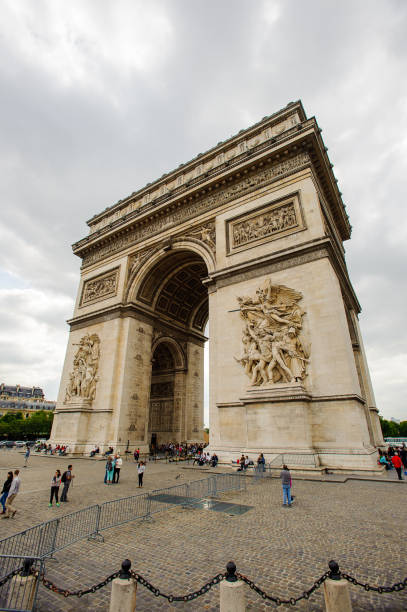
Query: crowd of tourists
{"points": [[203, 458], [48, 449], [394, 457], [175, 449]]}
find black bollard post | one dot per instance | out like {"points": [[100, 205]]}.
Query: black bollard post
{"points": [[124, 590], [334, 571], [27, 565], [125, 570], [231, 572], [232, 597]]}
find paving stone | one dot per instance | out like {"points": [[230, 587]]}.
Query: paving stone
{"points": [[359, 524]]}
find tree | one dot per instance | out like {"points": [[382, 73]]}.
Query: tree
{"points": [[13, 425], [389, 428]]}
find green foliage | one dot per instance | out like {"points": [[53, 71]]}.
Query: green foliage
{"points": [[393, 430], [14, 426], [206, 429]]}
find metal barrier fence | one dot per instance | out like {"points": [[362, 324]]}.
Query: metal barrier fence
{"points": [[123, 510], [294, 459], [46, 538], [19, 583]]}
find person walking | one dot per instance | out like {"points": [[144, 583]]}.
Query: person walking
{"points": [[12, 494], [55, 484], [261, 462], [140, 470], [27, 456], [109, 471], [6, 488], [396, 461], [286, 482], [117, 466], [403, 456], [67, 478]]}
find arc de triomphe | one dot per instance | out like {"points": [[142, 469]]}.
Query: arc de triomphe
{"points": [[250, 237]]}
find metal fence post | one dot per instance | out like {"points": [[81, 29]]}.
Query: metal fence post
{"points": [[188, 494], [147, 516], [215, 487], [50, 554], [96, 534]]}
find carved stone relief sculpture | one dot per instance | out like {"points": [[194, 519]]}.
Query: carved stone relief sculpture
{"points": [[207, 234], [83, 378], [272, 348], [99, 288]]}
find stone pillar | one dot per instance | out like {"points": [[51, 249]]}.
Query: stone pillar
{"points": [[336, 591], [336, 594], [232, 595], [194, 392], [371, 410], [22, 589], [124, 589]]}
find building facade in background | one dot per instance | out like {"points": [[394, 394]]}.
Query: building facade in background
{"points": [[27, 400], [250, 237]]}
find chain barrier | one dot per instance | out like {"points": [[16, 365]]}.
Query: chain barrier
{"points": [[189, 597], [55, 589], [10, 576], [141, 580], [277, 600], [397, 586]]}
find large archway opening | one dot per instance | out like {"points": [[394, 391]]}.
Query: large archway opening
{"points": [[173, 291]]}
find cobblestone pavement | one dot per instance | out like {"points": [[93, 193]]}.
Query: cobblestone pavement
{"points": [[359, 524]]}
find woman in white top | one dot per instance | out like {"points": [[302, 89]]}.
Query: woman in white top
{"points": [[141, 469], [117, 466], [55, 484]]}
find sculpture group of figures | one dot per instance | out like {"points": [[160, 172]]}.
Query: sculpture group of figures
{"points": [[272, 349], [264, 225], [83, 378]]}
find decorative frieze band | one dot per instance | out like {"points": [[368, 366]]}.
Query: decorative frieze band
{"points": [[200, 205], [100, 287], [274, 220]]}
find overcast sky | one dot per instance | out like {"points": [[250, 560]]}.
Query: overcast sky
{"points": [[100, 97]]}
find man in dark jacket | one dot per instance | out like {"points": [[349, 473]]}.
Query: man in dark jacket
{"points": [[6, 489], [66, 479]]}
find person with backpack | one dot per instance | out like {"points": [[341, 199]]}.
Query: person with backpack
{"points": [[66, 479], [55, 484]]}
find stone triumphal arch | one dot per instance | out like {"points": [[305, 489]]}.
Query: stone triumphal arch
{"points": [[250, 237]]}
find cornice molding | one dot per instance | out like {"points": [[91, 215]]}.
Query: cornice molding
{"points": [[302, 137]]}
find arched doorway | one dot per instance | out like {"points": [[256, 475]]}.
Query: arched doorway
{"points": [[171, 290]]}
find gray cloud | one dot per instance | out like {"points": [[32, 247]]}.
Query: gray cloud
{"points": [[99, 98]]}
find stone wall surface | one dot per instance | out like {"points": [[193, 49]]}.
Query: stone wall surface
{"points": [[260, 222]]}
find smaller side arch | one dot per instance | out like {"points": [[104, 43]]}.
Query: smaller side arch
{"points": [[178, 354]]}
